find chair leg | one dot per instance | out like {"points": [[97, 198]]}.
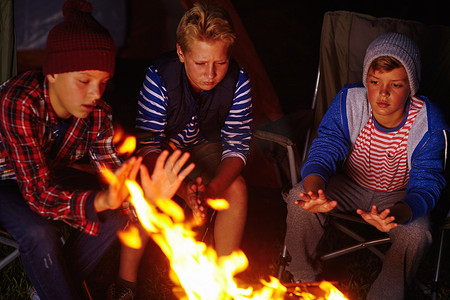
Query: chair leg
{"points": [[284, 260], [435, 284], [9, 259], [292, 165], [13, 255]]}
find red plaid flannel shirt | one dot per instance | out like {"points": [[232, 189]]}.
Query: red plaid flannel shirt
{"points": [[27, 136]]}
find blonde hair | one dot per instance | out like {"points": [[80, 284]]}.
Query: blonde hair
{"points": [[205, 21]]}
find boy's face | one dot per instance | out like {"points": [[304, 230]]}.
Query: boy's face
{"points": [[76, 93], [388, 92], [206, 64]]}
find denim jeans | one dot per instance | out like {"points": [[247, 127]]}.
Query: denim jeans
{"points": [[54, 268]]}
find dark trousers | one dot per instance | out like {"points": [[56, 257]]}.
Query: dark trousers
{"points": [[54, 268]]}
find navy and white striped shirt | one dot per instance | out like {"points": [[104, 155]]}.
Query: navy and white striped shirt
{"points": [[152, 116]]}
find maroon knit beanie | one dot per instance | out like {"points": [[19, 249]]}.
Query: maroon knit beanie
{"points": [[78, 43]]}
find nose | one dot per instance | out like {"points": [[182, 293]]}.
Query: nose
{"points": [[384, 90], [96, 90], [210, 71]]}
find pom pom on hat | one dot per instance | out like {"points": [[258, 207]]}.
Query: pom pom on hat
{"points": [[78, 43], [400, 47]]}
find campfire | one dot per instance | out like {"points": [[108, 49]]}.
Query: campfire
{"points": [[196, 270]]}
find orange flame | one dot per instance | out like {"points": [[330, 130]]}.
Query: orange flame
{"points": [[332, 292], [218, 204], [130, 237], [127, 143], [194, 266]]}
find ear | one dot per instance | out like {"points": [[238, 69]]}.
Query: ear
{"points": [[51, 78], [180, 53]]}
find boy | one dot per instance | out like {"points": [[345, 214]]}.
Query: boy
{"points": [[198, 100], [379, 151], [49, 120]]}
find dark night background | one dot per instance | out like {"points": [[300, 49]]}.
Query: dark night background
{"points": [[286, 36]]}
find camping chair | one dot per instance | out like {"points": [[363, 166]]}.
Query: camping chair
{"points": [[344, 39], [445, 226], [5, 239], [7, 69], [441, 215]]}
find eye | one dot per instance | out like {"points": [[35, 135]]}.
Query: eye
{"points": [[83, 81], [374, 82], [397, 85]]}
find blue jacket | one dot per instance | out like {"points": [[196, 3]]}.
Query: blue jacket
{"points": [[344, 120]]}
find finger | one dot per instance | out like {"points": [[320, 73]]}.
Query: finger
{"points": [[194, 187], [180, 162], [360, 212], [385, 213], [161, 160], [332, 204], [390, 220], [135, 169], [299, 202], [321, 194], [313, 196], [145, 175], [393, 225], [185, 172], [172, 160], [374, 210], [123, 171], [305, 197]]}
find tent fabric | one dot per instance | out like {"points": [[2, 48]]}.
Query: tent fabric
{"points": [[345, 37], [8, 60]]}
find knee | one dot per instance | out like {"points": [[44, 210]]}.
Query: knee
{"points": [[412, 237], [237, 191], [39, 237], [294, 194]]}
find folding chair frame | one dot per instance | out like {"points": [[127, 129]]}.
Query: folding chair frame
{"points": [[5, 240]]}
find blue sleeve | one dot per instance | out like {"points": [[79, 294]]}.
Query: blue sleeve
{"points": [[426, 179], [331, 146], [151, 114], [236, 133]]}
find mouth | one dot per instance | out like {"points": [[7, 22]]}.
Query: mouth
{"points": [[382, 104], [89, 107]]}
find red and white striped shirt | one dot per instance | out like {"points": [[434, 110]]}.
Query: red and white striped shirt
{"points": [[378, 159]]}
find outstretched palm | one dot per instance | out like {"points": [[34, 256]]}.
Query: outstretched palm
{"points": [[167, 175]]}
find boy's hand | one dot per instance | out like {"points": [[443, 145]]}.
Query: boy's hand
{"points": [[316, 202], [117, 191], [382, 221], [196, 197], [167, 175]]}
